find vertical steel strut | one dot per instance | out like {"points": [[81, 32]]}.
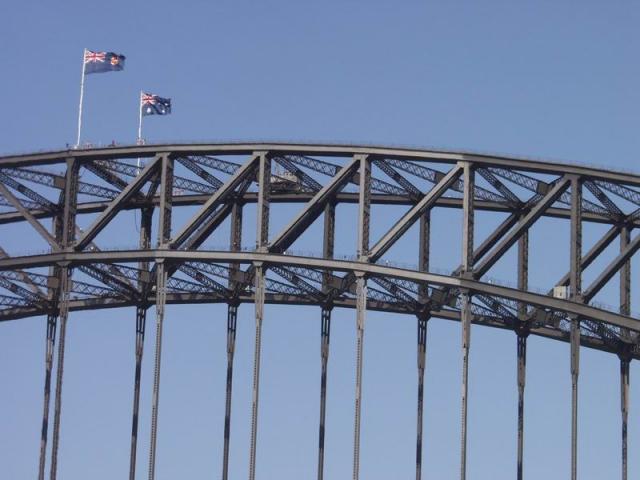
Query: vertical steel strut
{"points": [[575, 283], [625, 360], [466, 338], [522, 332], [465, 304], [522, 364], [141, 320], [52, 321], [361, 304], [325, 335], [422, 349], [423, 317], [68, 226], [161, 295], [262, 242], [325, 328], [259, 305], [232, 317], [164, 238], [65, 272], [364, 209], [575, 369]]}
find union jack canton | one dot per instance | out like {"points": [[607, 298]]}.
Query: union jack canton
{"points": [[154, 105]]}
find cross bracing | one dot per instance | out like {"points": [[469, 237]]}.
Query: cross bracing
{"points": [[82, 269]]}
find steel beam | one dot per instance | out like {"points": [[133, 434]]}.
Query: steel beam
{"points": [[466, 315], [364, 206], [625, 361], [465, 302], [424, 250], [325, 334], [422, 350], [575, 283], [625, 357], [259, 314], [166, 201], [361, 308], [262, 241], [141, 321], [161, 295], [313, 208], [224, 192], [499, 250], [522, 332], [67, 232], [414, 213], [232, 318], [63, 300], [52, 322], [178, 256], [325, 328], [26, 214], [116, 205], [164, 237], [611, 269], [522, 364], [625, 273], [593, 253]]}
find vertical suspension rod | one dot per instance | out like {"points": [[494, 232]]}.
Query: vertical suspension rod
{"points": [[575, 281], [164, 238], [52, 324], [259, 306], [325, 328], [364, 214], [161, 294], [262, 242], [522, 334], [625, 357], [232, 318], [52, 321], [625, 360], [465, 298], [522, 363], [67, 232], [466, 338], [325, 335], [65, 272], [423, 297], [361, 304], [422, 349], [141, 321]]}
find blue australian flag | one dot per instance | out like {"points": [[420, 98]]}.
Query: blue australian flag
{"points": [[99, 62], [154, 105]]}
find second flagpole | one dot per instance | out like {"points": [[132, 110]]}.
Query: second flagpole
{"points": [[84, 63], [140, 123]]}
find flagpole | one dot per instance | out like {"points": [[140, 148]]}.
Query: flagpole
{"points": [[140, 124], [84, 63]]}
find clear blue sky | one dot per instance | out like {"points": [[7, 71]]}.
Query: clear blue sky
{"points": [[550, 79]]}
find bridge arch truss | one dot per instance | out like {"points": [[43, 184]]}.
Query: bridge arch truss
{"points": [[173, 263]]}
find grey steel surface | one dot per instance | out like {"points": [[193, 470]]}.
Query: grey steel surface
{"points": [[178, 268]]}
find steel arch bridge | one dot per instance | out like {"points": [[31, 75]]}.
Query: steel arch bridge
{"points": [[213, 182]]}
